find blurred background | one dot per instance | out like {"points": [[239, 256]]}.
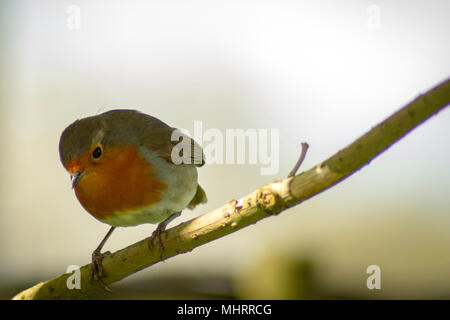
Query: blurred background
{"points": [[324, 72]]}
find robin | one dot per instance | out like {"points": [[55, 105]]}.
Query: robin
{"points": [[126, 170]]}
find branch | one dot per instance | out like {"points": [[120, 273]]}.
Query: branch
{"points": [[268, 200]]}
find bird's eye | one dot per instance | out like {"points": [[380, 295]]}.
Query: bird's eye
{"points": [[97, 153]]}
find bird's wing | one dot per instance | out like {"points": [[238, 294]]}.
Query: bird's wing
{"points": [[172, 145]]}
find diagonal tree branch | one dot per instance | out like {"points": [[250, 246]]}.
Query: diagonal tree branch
{"points": [[268, 200]]}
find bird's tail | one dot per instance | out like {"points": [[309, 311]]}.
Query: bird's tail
{"points": [[199, 198]]}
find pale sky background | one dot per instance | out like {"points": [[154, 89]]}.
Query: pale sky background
{"points": [[319, 71]]}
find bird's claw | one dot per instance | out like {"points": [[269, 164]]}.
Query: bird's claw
{"points": [[156, 237], [97, 272]]}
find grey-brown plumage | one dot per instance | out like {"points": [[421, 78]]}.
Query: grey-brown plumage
{"points": [[129, 125]]}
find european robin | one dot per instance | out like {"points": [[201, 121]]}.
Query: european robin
{"points": [[126, 171]]}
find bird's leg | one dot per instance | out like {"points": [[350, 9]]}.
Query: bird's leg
{"points": [[156, 236], [97, 257]]}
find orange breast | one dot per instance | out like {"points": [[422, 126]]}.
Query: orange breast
{"points": [[122, 181]]}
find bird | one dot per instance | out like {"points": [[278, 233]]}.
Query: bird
{"points": [[129, 168]]}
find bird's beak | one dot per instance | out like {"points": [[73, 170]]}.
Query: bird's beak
{"points": [[76, 177]]}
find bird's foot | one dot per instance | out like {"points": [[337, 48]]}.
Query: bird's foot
{"points": [[156, 237], [97, 271]]}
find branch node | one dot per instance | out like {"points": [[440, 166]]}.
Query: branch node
{"points": [[269, 201]]}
